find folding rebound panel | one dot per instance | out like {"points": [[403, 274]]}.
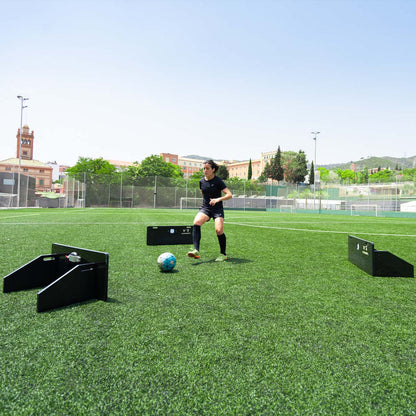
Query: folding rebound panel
{"points": [[169, 234], [68, 275], [377, 263]]}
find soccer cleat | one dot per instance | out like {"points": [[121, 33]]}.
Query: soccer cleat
{"points": [[221, 257], [194, 253]]}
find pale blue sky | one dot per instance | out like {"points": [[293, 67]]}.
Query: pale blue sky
{"points": [[227, 79]]}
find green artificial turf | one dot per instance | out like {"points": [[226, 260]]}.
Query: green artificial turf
{"points": [[287, 326]]}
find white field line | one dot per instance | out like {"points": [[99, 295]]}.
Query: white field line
{"points": [[319, 231], [97, 223], [390, 220], [18, 216], [71, 223]]}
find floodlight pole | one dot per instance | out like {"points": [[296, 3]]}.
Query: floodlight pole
{"points": [[315, 133], [20, 146]]}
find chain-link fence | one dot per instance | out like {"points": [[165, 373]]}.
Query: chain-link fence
{"points": [[160, 192], [157, 192], [17, 190]]}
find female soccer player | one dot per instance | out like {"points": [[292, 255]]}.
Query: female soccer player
{"points": [[212, 188]]}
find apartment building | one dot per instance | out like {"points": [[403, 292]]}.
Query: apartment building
{"points": [[188, 165], [235, 168]]}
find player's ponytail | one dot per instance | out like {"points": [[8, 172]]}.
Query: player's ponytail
{"points": [[213, 165]]}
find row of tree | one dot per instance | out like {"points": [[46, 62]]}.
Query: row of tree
{"points": [[348, 176], [100, 172], [288, 166]]}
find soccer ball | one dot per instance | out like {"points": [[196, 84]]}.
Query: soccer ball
{"points": [[166, 262]]}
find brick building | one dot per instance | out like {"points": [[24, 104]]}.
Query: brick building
{"points": [[41, 172]]}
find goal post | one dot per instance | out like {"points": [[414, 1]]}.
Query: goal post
{"points": [[190, 202], [368, 209], [7, 200], [286, 208]]}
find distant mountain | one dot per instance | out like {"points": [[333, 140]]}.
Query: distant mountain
{"points": [[377, 162], [202, 157], [197, 157], [373, 162]]}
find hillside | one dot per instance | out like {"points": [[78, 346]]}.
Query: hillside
{"points": [[376, 162], [373, 162]]}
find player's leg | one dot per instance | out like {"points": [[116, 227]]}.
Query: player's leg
{"points": [[219, 229], [199, 220]]}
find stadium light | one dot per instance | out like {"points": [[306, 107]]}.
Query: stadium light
{"points": [[316, 134], [22, 99]]}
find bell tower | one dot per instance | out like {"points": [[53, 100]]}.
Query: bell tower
{"points": [[26, 146]]}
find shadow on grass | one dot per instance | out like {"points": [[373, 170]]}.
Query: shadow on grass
{"points": [[236, 260], [113, 300], [76, 304], [233, 260], [169, 271]]}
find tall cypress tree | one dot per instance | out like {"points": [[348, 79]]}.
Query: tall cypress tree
{"points": [[312, 174], [277, 169], [223, 172], [250, 170], [301, 168]]}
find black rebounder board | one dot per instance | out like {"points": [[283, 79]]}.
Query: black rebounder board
{"points": [[68, 275], [374, 262], [169, 234]]}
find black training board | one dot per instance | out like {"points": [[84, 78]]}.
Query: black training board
{"points": [[169, 234]]}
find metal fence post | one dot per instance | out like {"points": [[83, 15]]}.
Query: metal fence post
{"points": [[155, 193], [85, 188], [121, 190]]}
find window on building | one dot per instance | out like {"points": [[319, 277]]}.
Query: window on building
{"points": [[25, 170], [41, 170], [41, 182], [8, 168]]}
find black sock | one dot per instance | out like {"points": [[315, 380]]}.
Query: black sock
{"points": [[223, 243], [196, 236]]}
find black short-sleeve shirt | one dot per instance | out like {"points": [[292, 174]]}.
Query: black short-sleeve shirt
{"points": [[211, 189]]}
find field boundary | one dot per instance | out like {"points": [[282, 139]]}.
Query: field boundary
{"points": [[319, 231]]}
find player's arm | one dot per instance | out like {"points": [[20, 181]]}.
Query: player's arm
{"points": [[227, 195]]}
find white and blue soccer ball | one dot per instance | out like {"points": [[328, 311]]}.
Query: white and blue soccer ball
{"points": [[166, 262]]}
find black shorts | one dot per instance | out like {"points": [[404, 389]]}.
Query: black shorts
{"points": [[212, 211]]}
